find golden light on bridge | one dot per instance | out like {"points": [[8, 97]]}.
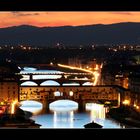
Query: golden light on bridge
{"points": [[97, 67], [13, 107], [76, 68], [101, 66], [95, 73]]}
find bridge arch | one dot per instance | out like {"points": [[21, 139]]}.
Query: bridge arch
{"points": [[29, 68], [63, 105], [87, 84], [31, 103], [29, 83], [71, 84], [32, 106], [47, 76], [50, 83]]}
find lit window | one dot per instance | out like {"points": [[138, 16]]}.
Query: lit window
{"points": [[71, 93], [57, 93]]}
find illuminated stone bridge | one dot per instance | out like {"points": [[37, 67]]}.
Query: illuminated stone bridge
{"points": [[80, 94], [59, 82], [64, 78]]}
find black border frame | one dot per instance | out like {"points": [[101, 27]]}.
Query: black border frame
{"points": [[71, 5]]}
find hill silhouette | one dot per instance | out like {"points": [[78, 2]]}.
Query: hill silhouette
{"points": [[118, 33]]}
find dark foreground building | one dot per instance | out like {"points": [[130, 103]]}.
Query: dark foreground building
{"points": [[9, 82]]}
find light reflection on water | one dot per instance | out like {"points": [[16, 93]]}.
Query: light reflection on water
{"points": [[70, 118], [63, 119], [97, 113], [34, 110]]}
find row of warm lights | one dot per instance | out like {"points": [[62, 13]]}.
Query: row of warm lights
{"points": [[12, 107], [127, 102], [97, 67], [76, 68], [136, 106], [96, 74]]}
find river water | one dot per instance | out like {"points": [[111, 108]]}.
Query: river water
{"points": [[61, 116], [64, 114]]}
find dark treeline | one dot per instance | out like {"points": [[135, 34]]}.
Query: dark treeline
{"points": [[47, 55], [56, 55]]}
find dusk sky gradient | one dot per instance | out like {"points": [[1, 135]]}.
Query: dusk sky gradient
{"points": [[44, 19]]}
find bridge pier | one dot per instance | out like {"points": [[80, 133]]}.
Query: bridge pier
{"points": [[81, 106], [45, 105], [31, 77], [80, 83]]}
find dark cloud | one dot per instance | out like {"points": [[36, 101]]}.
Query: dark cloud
{"points": [[24, 14]]}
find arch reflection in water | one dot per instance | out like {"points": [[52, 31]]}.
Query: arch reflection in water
{"points": [[31, 106], [63, 113]]}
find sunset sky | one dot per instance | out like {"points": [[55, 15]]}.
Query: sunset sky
{"points": [[45, 18]]}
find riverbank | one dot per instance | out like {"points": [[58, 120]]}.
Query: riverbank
{"points": [[125, 115], [27, 114], [20, 119]]}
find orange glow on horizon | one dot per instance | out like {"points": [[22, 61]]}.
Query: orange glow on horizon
{"points": [[45, 19]]}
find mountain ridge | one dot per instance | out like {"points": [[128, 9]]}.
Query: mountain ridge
{"points": [[116, 33]]}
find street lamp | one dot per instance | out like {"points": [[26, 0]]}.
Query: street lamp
{"points": [[126, 102], [13, 107]]}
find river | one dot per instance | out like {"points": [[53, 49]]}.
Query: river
{"points": [[67, 116]]}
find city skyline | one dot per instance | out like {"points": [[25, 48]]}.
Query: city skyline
{"points": [[46, 18]]}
